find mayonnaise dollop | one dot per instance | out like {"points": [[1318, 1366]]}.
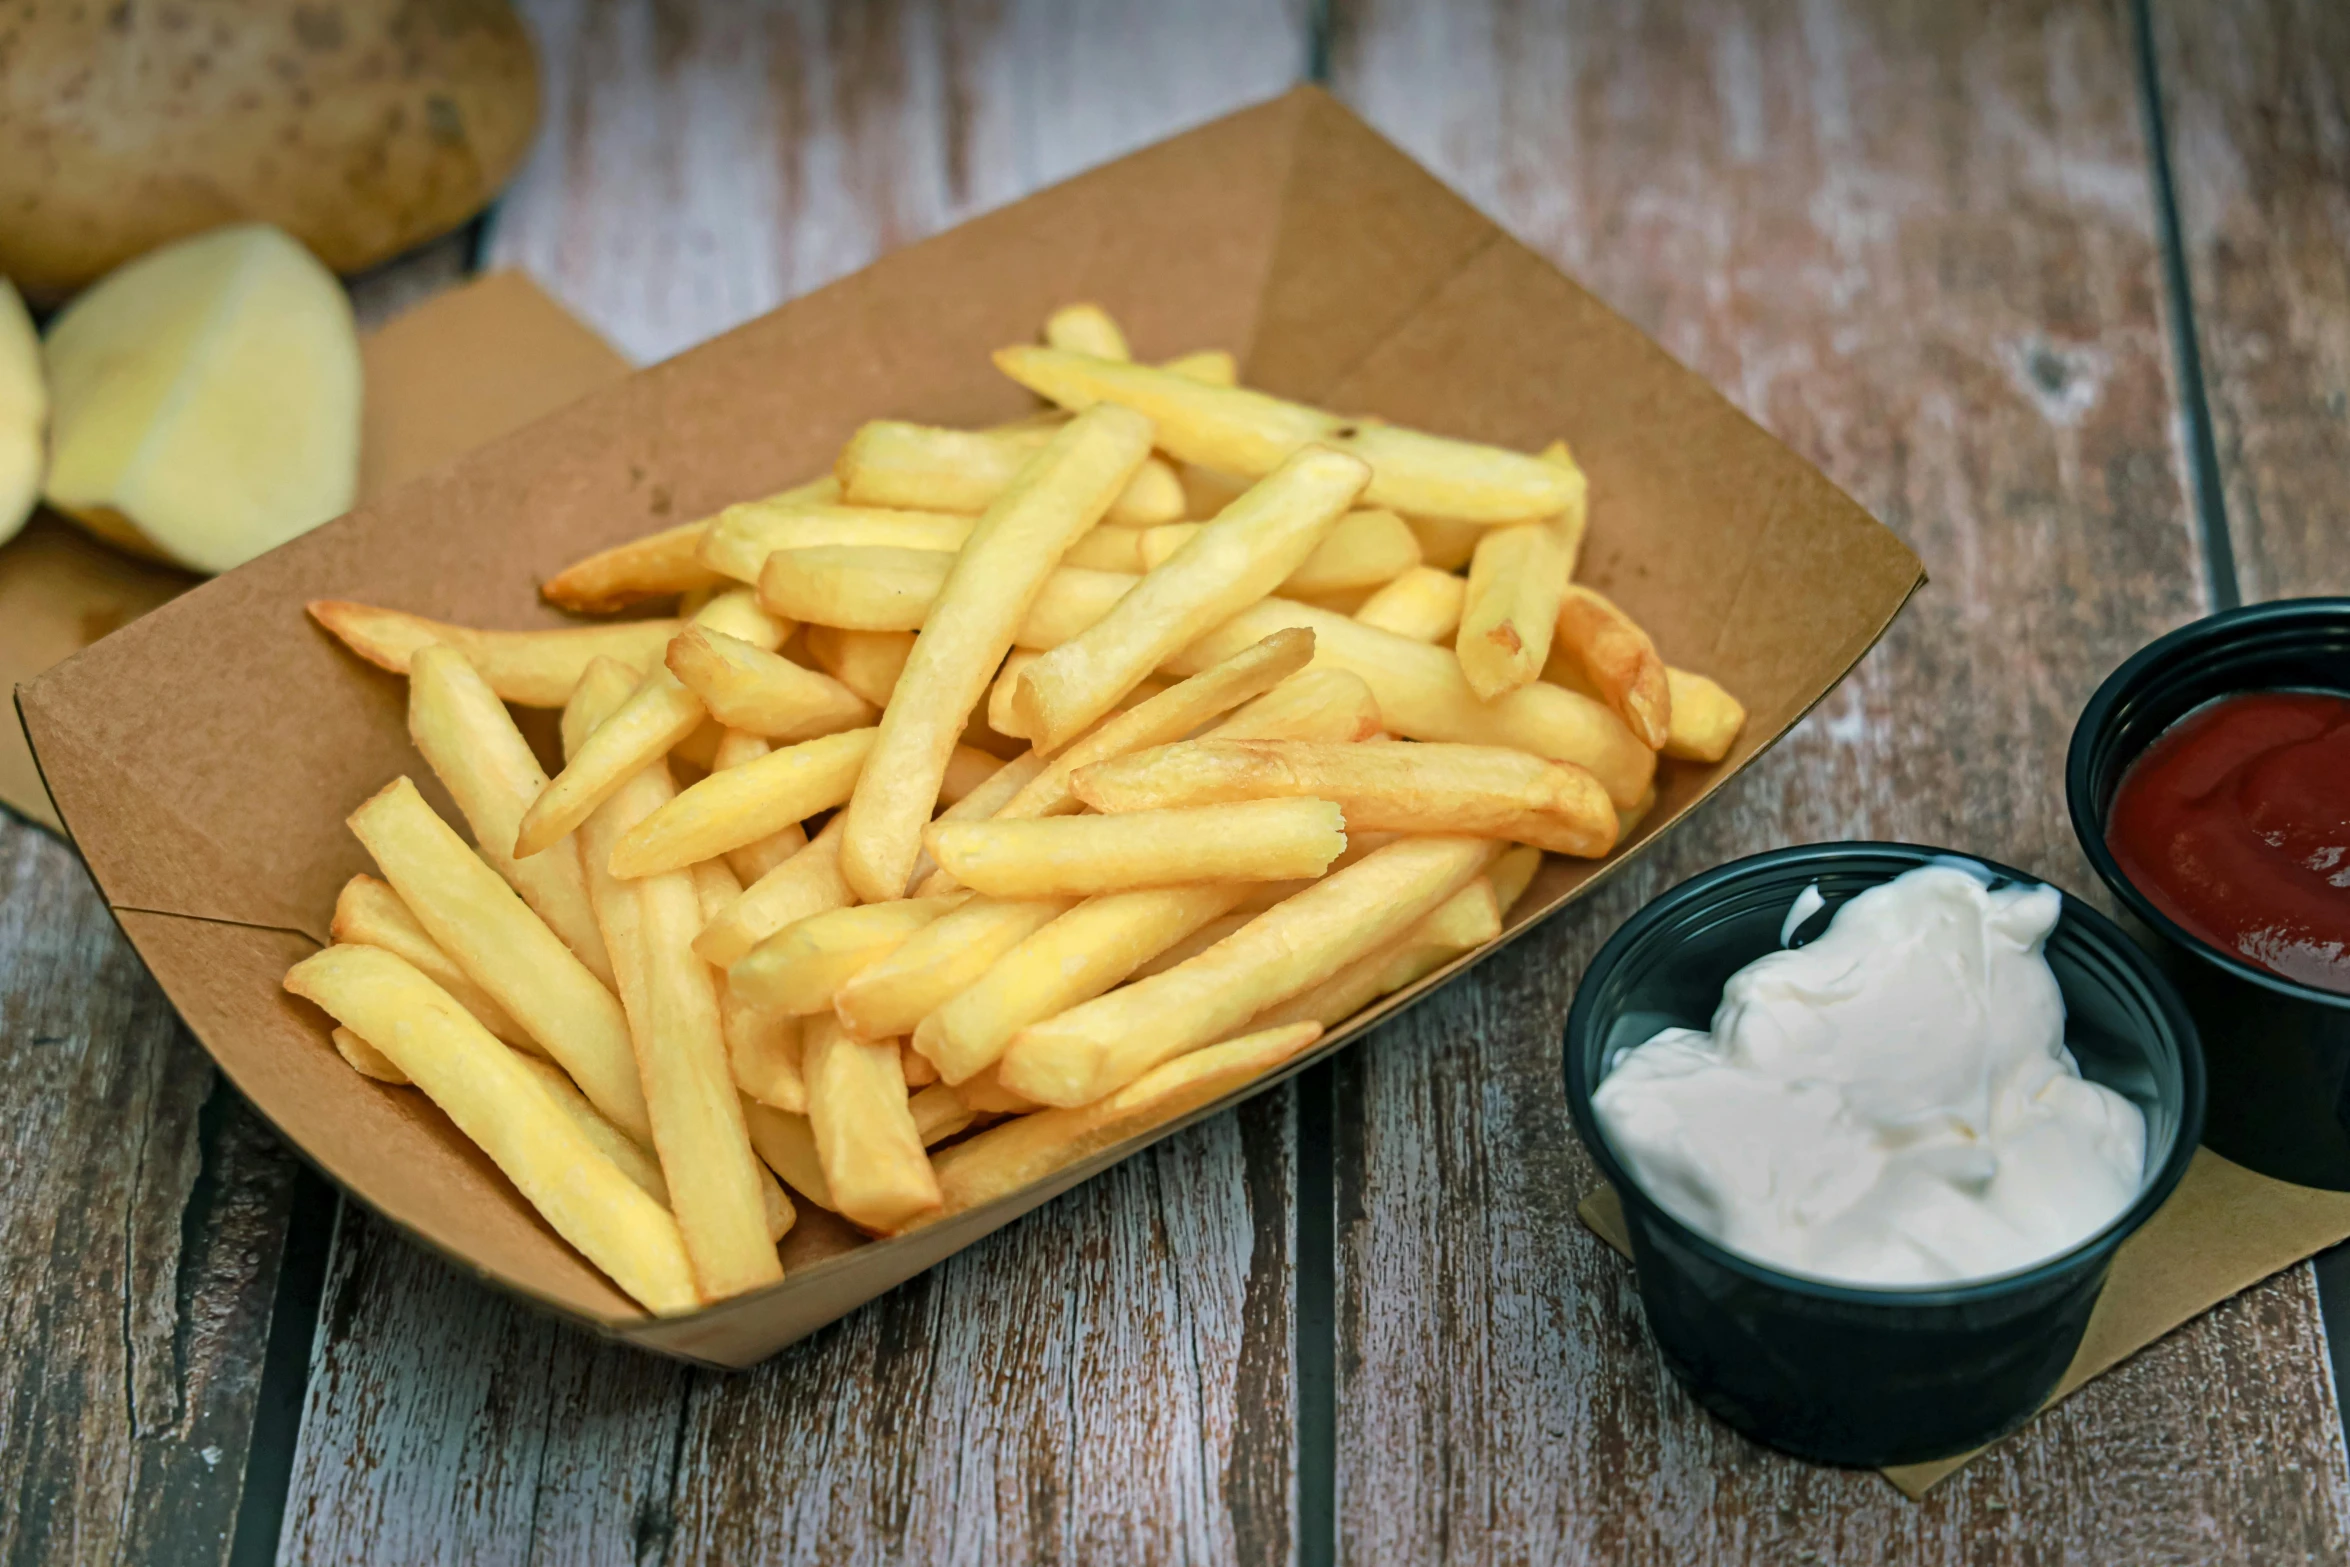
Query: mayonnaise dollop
{"points": [[1892, 1104]]}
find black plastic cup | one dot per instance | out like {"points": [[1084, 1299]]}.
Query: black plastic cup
{"points": [[1843, 1373], [2279, 1052]]}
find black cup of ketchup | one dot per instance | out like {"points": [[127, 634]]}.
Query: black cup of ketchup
{"points": [[2209, 782]]}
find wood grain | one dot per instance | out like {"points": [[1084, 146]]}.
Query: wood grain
{"points": [[1918, 243], [1108, 1379], [2257, 97]]}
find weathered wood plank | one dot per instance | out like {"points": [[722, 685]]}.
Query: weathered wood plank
{"points": [[1108, 1379], [2257, 97], [1918, 242]]}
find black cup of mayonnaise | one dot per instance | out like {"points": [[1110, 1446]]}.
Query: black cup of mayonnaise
{"points": [[2279, 1050], [1846, 1373]]}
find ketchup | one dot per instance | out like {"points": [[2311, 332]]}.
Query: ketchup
{"points": [[2236, 824]]}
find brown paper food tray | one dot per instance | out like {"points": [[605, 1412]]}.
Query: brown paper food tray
{"points": [[205, 756], [459, 369]]}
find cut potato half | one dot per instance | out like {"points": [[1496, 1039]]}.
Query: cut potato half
{"points": [[24, 411], [206, 400]]}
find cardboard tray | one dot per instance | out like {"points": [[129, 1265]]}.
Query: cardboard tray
{"points": [[204, 757]]}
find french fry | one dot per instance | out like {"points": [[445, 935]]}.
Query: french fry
{"points": [[1079, 856], [939, 1113], [1512, 874], [1705, 719], [1423, 604], [470, 742], [1001, 696], [1075, 958], [636, 1163], [1313, 704], [977, 806], [1247, 432], [714, 1181], [490, 933], [762, 1045], [742, 805], [916, 1068], [1468, 919], [856, 587], [1516, 582], [491, 1096], [527, 668], [1061, 492], [866, 1138], [369, 914], [602, 691], [808, 883], [1098, 1047], [1445, 543], [1108, 547], [867, 662], [740, 538], [1211, 366], [654, 566], [747, 687], [985, 1096], [1086, 329], [753, 860], [1474, 790], [1209, 934], [1423, 694], [364, 1059], [799, 969], [937, 963], [1631, 816], [1621, 662], [891, 464], [1569, 525], [1363, 549], [1229, 564], [786, 1144], [1005, 1158]]}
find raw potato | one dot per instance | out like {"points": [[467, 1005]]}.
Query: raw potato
{"points": [[362, 126], [24, 413], [206, 400]]}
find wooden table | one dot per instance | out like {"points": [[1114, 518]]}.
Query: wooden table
{"points": [[1937, 248]]}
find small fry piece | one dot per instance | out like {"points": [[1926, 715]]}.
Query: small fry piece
{"points": [[1621, 661], [1230, 563], [715, 1187], [1423, 604], [1475, 790], [1099, 1047], [1061, 492], [492, 935], [808, 883], [1705, 719], [1003, 1159], [786, 1144], [939, 1113], [490, 1094], [369, 914], [1512, 610], [856, 587], [937, 963], [364, 1059], [654, 566], [1249, 433], [1468, 919], [741, 537], [867, 662], [1078, 856], [470, 742], [528, 668], [799, 969], [742, 805], [747, 687], [1363, 549], [866, 1138], [1086, 329], [890, 464], [1073, 959]]}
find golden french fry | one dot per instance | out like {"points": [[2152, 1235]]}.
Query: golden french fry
{"points": [[469, 740], [1423, 694], [1705, 718], [1512, 874], [636, 1163], [1002, 696], [491, 1096], [602, 691], [786, 1144], [891, 464], [1005, 1158], [1516, 582], [1570, 523], [654, 566], [1631, 816], [939, 1113], [918, 1071], [977, 806], [714, 1184], [1099, 1047], [1154, 495], [808, 883], [1363, 550], [1313, 704], [741, 538], [856, 587], [867, 662], [1445, 543], [754, 860], [528, 668], [699, 750], [1086, 329], [1620, 660], [800, 968], [1475, 790], [1107, 547], [369, 914], [364, 1059], [748, 688], [1468, 919], [1229, 564], [762, 1045], [1213, 366], [1212, 932], [742, 805], [1423, 604], [1061, 492], [1079, 856], [503, 947], [985, 1096], [1075, 958], [937, 963], [1248, 432], [866, 1138], [603, 686]]}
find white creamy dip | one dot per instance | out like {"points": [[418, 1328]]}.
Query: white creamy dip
{"points": [[1892, 1104]]}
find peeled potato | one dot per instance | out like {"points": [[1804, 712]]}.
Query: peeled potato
{"points": [[206, 400], [24, 409]]}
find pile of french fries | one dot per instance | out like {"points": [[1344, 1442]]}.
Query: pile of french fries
{"points": [[997, 797]]}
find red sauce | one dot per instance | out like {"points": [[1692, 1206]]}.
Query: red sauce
{"points": [[2236, 824]]}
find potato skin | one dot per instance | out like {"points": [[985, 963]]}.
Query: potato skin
{"points": [[362, 127]]}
